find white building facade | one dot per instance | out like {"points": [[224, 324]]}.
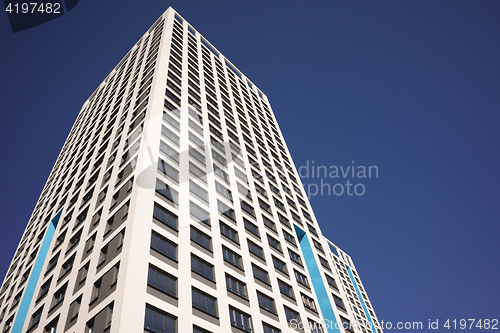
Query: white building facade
{"points": [[174, 206]]}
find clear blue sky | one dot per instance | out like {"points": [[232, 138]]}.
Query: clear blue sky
{"points": [[412, 87]]}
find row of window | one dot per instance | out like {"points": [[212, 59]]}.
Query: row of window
{"points": [[159, 321]]}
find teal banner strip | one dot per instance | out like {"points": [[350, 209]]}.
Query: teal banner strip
{"points": [[363, 305], [35, 275], [317, 283]]}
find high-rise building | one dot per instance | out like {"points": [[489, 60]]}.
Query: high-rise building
{"points": [[174, 206]]}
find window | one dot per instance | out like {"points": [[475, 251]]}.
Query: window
{"points": [[168, 170], [286, 289], [163, 245], [290, 202], [82, 274], [338, 302], [198, 191], [197, 329], [229, 232], [284, 220], [256, 250], [217, 144], [52, 263], [314, 326], [171, 121], [96, 291], [8, 324], [266, 163], [51, 327], [194, 139], [274, 243], [201, 238], [296, 218], [204, 302], [265, 207], [96, 219], [232, 257], [67, 266], [197, 172], [324, 263], [274, 189], [270, 176], [240, 319], [24, 277], [17, 298], [280, 265], [226, 210], [288, 237], [306, 214], [221, 173], [44, 289], [238, 160], [60, 239], [308, 302], [127, 171], [331, 282], [214, 130], [58, 297], [295, 257], [199, 213], [89, 244], [346, 324], [35, 319], [117, 198], [159, 322], [224, 191], [252, 228], [301, 278], [279, 204], [318, 246], [312, 229], [236, 286], [162, 281], [266, 302], [164, 216], [169, 151], [240, 175], [218, 157], [292, 315], [167, 192], [268, 223], [103, 255], [244, 191], [170, 135], [270, 329], [74, 309], [247, 208], [285, 188], [260, 274], [202, 267], [260, 190]]}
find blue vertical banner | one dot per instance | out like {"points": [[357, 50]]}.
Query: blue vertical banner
{"points": [[365, 309], [28, 14], [317, 282], [35, 275]]}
